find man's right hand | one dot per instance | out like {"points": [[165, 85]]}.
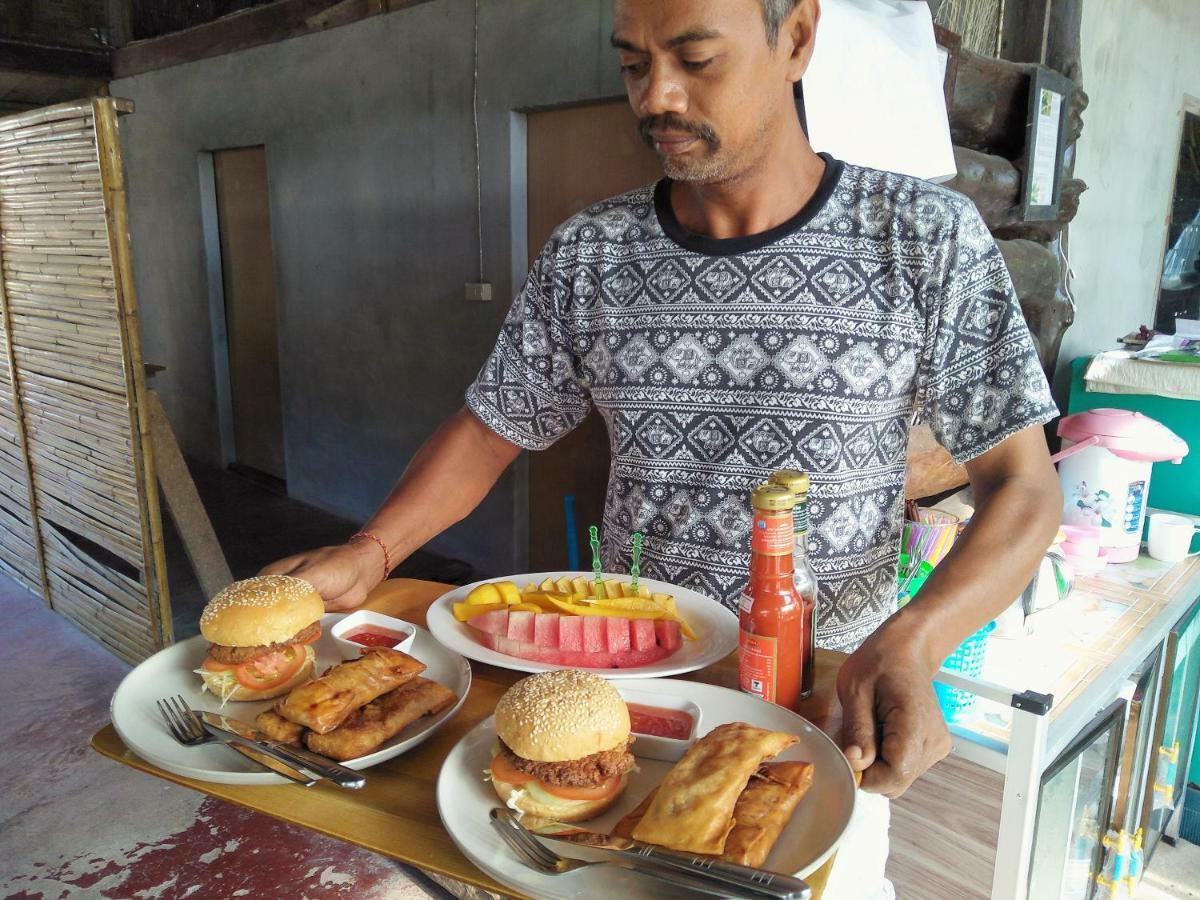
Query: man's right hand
{"points": [[343, 574]]}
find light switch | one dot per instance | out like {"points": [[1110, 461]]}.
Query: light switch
{"points": [[479, 291]]}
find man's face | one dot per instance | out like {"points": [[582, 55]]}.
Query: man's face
{"points": [[708, 90]]}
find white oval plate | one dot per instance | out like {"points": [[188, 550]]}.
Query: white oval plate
{"points": [[170, 672], [464, 800], [715, 626]]}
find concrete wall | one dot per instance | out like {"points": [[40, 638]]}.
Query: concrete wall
{"points": [[371, 161], [1139, 58]]}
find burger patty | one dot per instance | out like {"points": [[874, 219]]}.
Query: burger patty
{"points": [[588, 771], [235, 656]]}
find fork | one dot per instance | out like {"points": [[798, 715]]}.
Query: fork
{"points": [[185, 726], [538, 856]]}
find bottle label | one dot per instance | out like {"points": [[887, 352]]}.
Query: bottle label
{"points": [[772, 535], [745, 602], [759, 667]]}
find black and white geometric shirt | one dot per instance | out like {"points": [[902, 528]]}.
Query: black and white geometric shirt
{"points": [[812, 346]]}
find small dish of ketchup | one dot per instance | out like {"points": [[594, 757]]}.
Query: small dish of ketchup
{"points": [[366, 629], [663, 726]]}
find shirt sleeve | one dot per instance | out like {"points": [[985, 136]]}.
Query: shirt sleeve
{"points": [[984, 381], [531, 390]]}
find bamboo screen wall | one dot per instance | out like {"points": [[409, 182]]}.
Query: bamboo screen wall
{"points": [[78, 498]]}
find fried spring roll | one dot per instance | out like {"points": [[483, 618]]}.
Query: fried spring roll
{"points": [[761, 813], [325, 703], [277, 728], [764, 809], [381, 720], [693, 809]]}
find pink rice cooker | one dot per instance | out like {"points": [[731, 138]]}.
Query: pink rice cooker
{"points": [[1104, 468]]}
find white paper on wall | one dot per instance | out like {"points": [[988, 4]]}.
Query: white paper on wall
{"points": [[873, 91]]}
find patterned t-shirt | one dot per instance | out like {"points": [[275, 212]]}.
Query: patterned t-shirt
{"points": [[810, 346]]}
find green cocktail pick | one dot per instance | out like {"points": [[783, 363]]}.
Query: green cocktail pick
{"points": [[636, 568], [594, 540]]}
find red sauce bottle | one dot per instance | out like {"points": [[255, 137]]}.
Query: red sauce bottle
{"points": [[771, 613], [803, 574]]}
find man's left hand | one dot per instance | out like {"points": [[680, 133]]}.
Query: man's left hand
{"points": [[892, 726]]}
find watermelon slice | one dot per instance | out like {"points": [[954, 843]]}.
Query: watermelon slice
{"points": [[668, 634], [545, 630], [586, 642], [495, 622], [641, 634], [520, 626], [617, 634], [595, 638], [580, 659], [570, 633]]}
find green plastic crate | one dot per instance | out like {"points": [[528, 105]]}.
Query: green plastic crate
{"points": [[1173, 487]]}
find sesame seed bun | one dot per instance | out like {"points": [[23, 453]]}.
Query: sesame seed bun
{"points": [[266, 609], [560, 716]]}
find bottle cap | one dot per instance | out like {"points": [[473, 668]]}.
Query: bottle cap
{"points": [[792, 479], [772, 497]]}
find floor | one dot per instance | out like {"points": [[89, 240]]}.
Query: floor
{"points": [[257, 523], [1173, 873], [74, 824]]}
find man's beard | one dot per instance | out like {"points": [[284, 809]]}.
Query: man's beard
{"points": [[711, 167]]}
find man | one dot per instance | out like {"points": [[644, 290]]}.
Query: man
{"points": [[762, 307]]}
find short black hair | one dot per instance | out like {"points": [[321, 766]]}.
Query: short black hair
{"points": [[774, 12]]}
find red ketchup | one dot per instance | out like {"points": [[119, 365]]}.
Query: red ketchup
{"points": [[374, 636], [656, 721]]}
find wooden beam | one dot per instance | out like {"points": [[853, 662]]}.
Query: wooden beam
{"points": [[1023, 31], [120, 22], [252, 27], [29, 56], [1062, 38]]}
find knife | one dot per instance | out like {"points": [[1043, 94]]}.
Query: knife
{"points": [[758, 882], [273, 765], [297, 757]]}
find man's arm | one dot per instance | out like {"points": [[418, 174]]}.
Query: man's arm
{"points": [[449, 476], [892, 726]]}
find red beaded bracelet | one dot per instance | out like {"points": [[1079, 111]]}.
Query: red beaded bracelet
{"points": [[387, 557]]}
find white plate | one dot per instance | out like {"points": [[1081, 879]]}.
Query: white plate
{"points": [[715, 626], [170, 672], [465, 799]]}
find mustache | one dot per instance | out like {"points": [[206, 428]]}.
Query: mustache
{"points": [[672, 122]]}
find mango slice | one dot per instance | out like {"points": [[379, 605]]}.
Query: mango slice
{"points": [[464, 611]]}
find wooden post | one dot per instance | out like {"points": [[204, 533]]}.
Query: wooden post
{"points": [[1023, 31], [112, 176], [199, 540]]}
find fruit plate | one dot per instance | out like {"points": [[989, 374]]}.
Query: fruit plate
{"points": [[715, 626], [170, 672], [464, 800]]}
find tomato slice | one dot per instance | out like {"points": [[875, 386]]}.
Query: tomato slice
{"points": [[213, 665], [503, 770], [269, 672], [570, 792]]}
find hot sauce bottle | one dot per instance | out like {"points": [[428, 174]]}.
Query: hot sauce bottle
{"points": [[802, 571], [771, 613]]}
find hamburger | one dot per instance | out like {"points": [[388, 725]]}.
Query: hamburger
{"points": [[260, 633], [563, 746]]}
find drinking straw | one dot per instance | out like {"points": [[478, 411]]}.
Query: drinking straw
{"points": [[636, 569], [594, 540]]}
